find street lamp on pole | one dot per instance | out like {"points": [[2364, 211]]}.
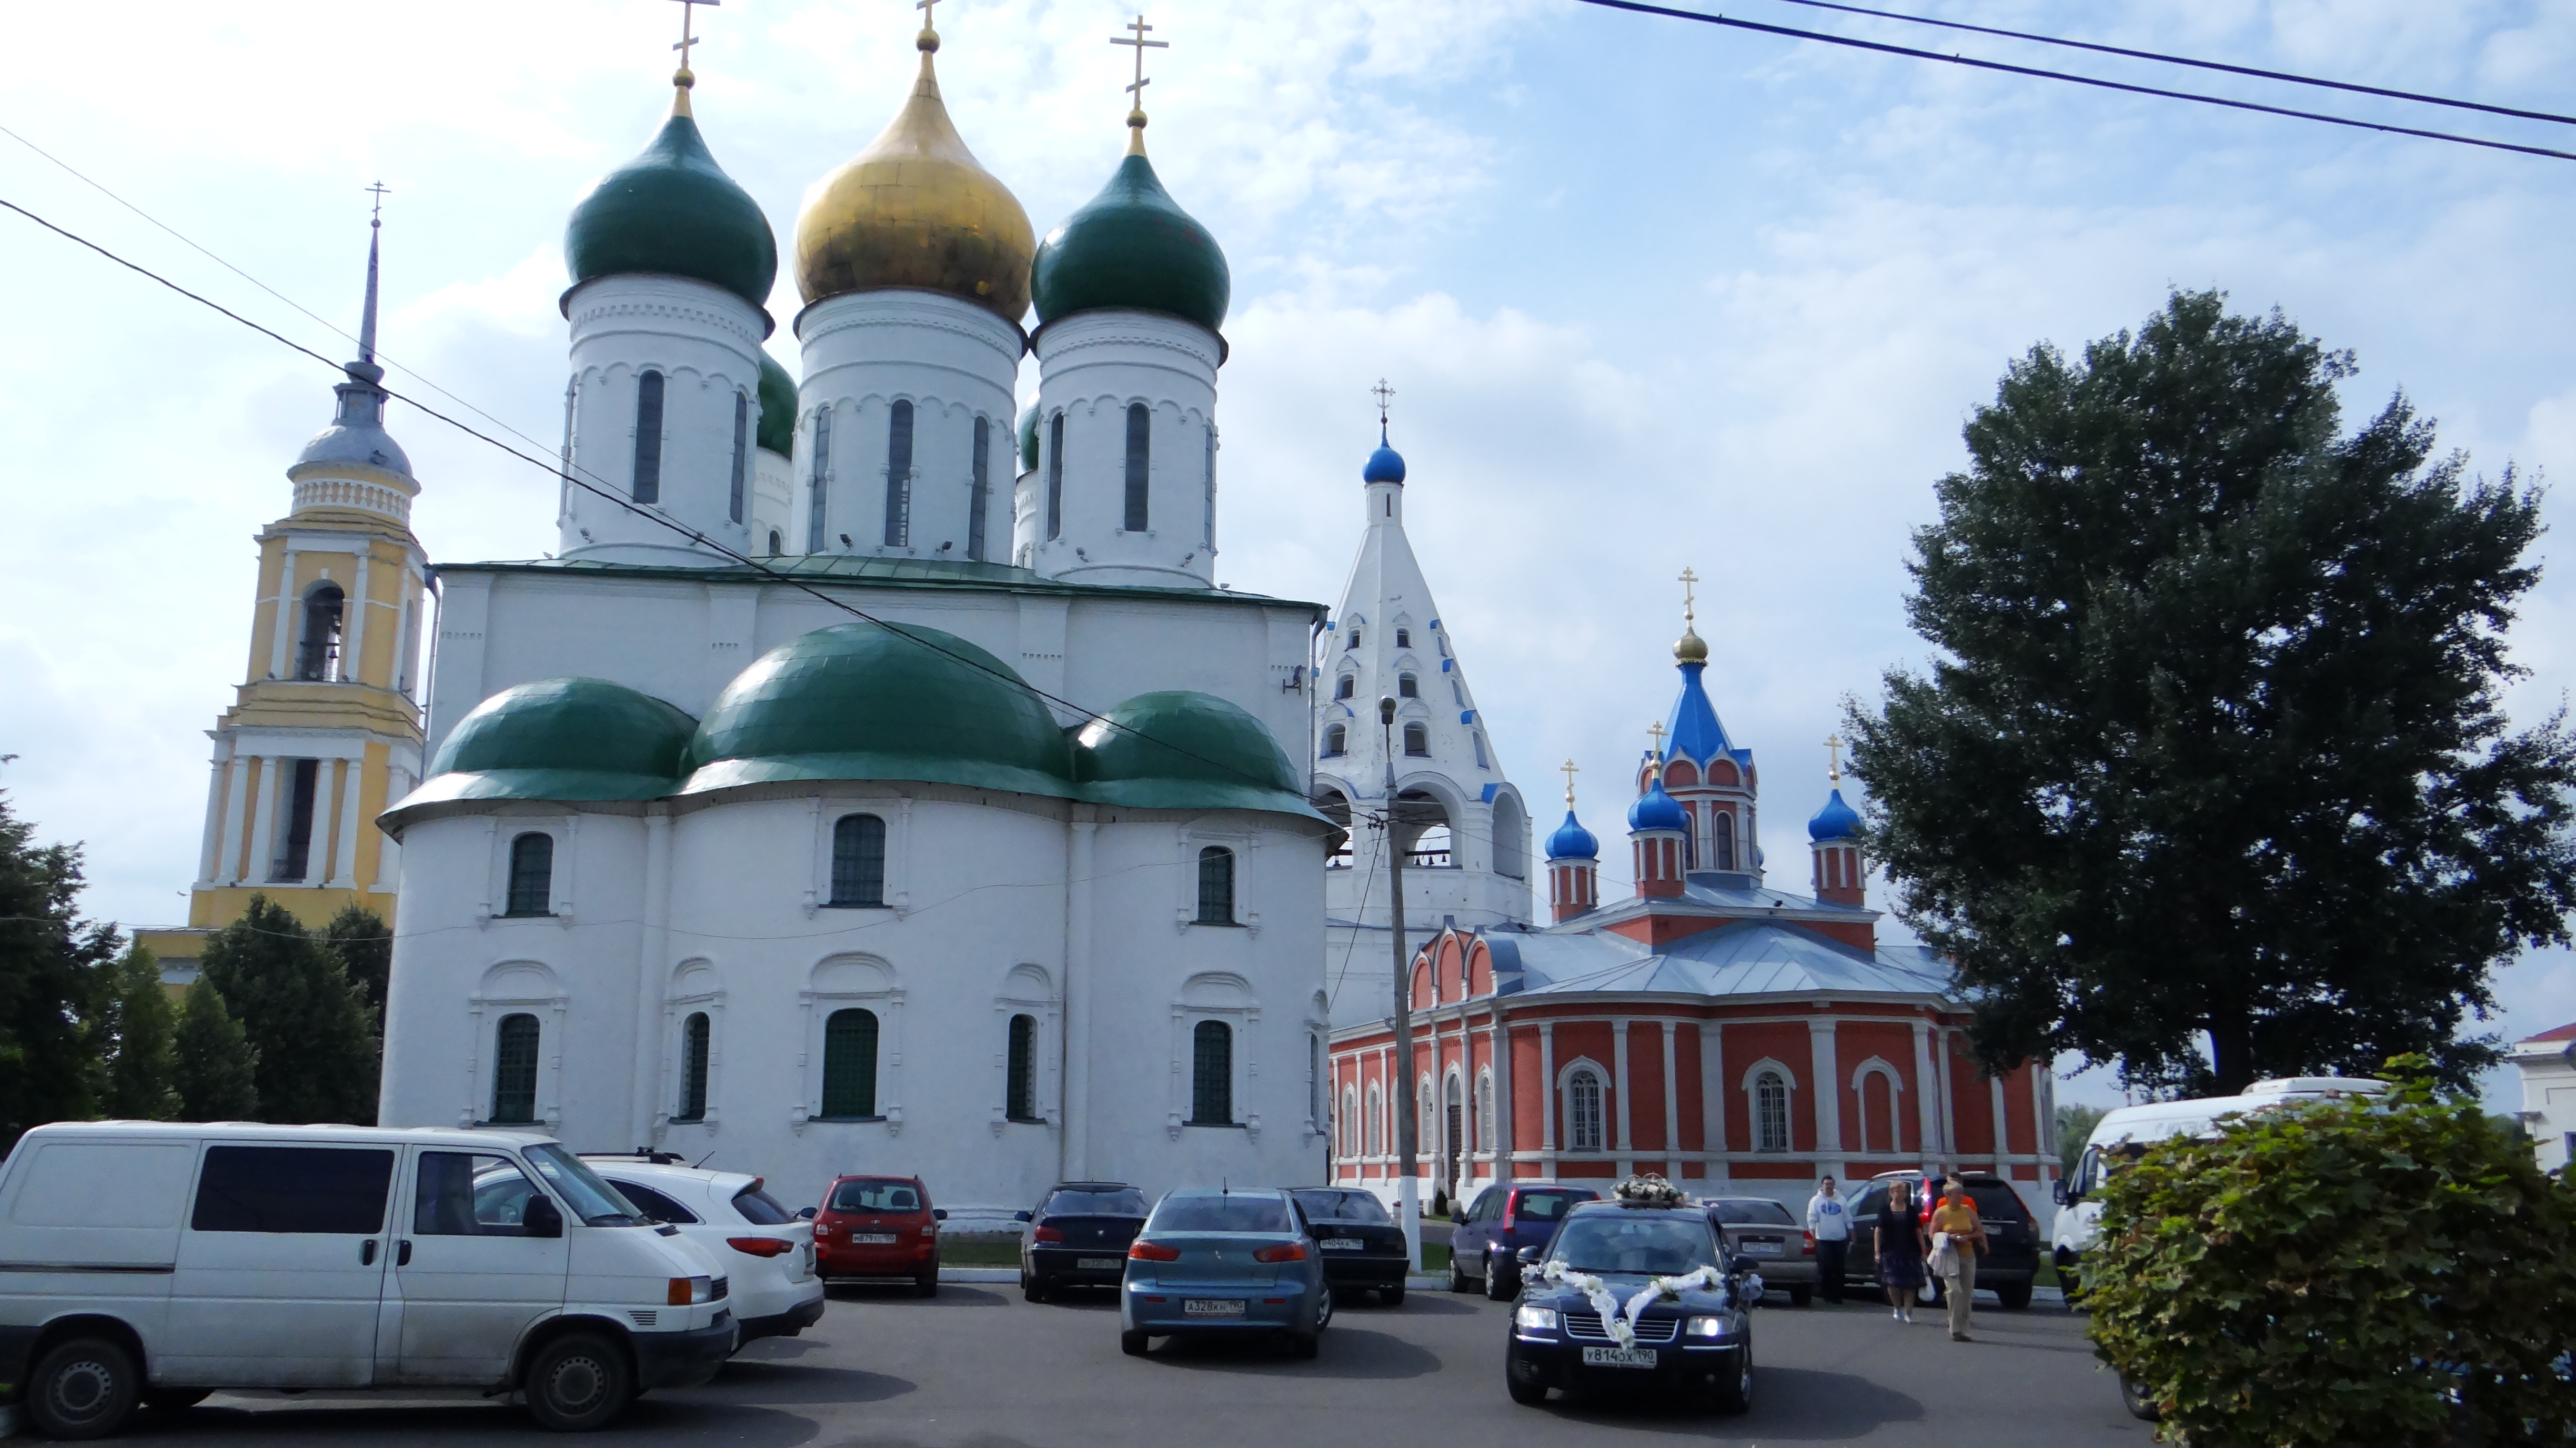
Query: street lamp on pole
{"points": [[1408, 1189]]}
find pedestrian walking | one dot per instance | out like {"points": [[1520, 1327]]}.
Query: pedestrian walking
{"points": [[1829, 1222], [1957, 1237], [1900, 1250]]}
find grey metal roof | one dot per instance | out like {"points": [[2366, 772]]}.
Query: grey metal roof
{"points": [[1745, 958]]}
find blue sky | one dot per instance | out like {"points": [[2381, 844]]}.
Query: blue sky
{"points": [[1651, 294]]}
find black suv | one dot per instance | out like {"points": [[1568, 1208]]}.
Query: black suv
{"points": [[2005, 1268], [1079, 1236]]}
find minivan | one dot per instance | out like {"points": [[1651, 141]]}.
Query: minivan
{"points": [[147, 1264]]}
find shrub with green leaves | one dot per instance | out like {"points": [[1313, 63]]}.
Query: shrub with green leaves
{"points": [[2394, 1271]]}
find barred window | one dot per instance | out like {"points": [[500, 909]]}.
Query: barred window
{"points": [[1216, 886], [514, 1070], [1336, 740], [1212, 1074], [741, 452], [695, 1033], [850, 1064], [1140, 448], [1770, 1112], [976, 490], [1583, 1111], [819, 494], [1417, 740], [532, 874], [1055, 477], [648, 437], [858, 861], [1022, 1104]]}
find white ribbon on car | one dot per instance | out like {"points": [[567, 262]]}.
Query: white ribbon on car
{"points": [[1621, 1321]]}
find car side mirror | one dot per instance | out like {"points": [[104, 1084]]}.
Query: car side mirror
{"points": [[1527, 1256], [939, 1214], [541, 1217], [1021, 1217], [806, 1215], [2059, 1193]]}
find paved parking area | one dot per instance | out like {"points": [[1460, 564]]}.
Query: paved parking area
{"points": [[976, 1367]]}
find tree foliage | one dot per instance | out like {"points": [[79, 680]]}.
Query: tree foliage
{"points": [[57, 983], [2074, 1128], [2341, 1272], [2213, 739], [143, 1058], [314, 1036], [365, 946], [215, 1068]]}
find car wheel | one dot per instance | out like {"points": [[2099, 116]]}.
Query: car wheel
{"points": [[85, 1388], [1324, 1310], [2014, 1295], [2138, 1404], [1458, 1274], [1801, 1296], [1033, 1287], [1391, 1296], [1522, 1381], [578, 1382], [1132, 1343], [1304, 1345], [1737, 1396], [926, 1283], [174, 1400], [1500, 1273]]}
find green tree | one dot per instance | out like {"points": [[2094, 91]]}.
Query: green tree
{"points": [[365, 946], [316, 1046], [2212, 744], [216, 1067], [142, 1068], [2387, 1272], [57, 984], [2074, 1128]]}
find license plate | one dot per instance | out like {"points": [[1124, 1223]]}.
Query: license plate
{"points": [[1220, 1307], [1098, 1264], [1761, 1249], [1618, 1357], [1344, 1244], [875, 1239]]}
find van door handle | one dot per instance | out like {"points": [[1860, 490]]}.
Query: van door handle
{"points": [[402, 1253], [367, 1253]]}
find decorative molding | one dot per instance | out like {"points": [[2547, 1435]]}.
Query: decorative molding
{"points": [[592, 313], [350, 493]]}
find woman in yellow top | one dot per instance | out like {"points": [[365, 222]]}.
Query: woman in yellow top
{"points": [[1956, 1215]]}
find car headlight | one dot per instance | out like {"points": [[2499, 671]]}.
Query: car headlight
{"points": [[1534, 1319], [1706, 1327]]}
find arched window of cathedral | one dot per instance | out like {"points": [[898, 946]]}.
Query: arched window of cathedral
{"points": [[1216, 886], [1476, 737], [1140, 460], [776, 543], [1055, 477], [850, 1065], [514, 1070], [532, 875], [898, 477], [1355, 640], [977, 489], [1417, 740], [1406, 685], [1458, 691], [1211, 1074], [1404, 638], [1511, 838], [1583, 1110], [1349, 1140], [1485, 1127], [1208, 539], [317, 657], [1721, 835], [1690, 836], [858, 862], [1336, 739], [1375, 1123], [648, 437], [741, 452], [1022, 1075], [695, 1037], [1770, 1112], [815, 512], [1343, 687]]}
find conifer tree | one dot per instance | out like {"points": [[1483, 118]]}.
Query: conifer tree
{"points": [[57, 984], [309, 1025], [365, 946], [214, 1062], [142, 1068]]}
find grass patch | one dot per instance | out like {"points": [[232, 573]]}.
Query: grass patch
{"points": [[979, 1254]]}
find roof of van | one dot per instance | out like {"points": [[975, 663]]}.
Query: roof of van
{"points": [[264, 1131], [2157, 1119]]}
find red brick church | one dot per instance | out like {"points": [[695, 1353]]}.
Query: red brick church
{"points": [[1734, 1036]]}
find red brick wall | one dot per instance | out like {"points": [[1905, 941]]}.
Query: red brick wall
{"points": [[1973, 1107], [2020, 1136], [1785, 1043], [1686, 1080], [1645, 1087], [1530, 1094]]}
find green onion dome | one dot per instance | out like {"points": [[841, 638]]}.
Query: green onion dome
{"points": [[777, 407], [559, 739], [1029, 439], [1132, 248], [880, 701], [672, 211], [1184, 750]]}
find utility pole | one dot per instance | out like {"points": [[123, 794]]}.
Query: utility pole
{"points": [[1408, 1190]]}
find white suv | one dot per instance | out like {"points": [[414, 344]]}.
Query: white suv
{"points": [[767, 1250]]}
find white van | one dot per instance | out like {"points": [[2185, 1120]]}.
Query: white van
{"points": [[151, 1263], [2128, 1130]]}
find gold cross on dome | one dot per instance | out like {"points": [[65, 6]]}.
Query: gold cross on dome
{"points": [[688, 12], [1142, 45], [1569, 770], [381, 190], [1834, 757], [1384, 395], [1656, 751], [1689, 580], [929, 17]]}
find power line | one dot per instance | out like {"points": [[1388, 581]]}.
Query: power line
{"points": [[654, 515], [2218, 65], [2096, 82]]}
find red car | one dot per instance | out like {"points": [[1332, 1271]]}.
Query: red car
{"points": [[878, 1226]]}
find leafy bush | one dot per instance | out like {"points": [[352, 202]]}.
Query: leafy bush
{"points": [[2390, 1272]]}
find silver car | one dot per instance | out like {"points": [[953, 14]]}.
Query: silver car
{"points": [[1771, 1241], [1224, 1262]]}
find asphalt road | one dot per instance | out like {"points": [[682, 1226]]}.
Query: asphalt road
{"points": [[976, 1367]]}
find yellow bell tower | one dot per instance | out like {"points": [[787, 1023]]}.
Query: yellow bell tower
{"points": [[326, 729]]}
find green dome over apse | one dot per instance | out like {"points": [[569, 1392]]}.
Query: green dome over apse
{"points": [[672, 211], [777, 407], [1132, 248], [1184, 750], [559, 739], [871, 701], [1029, 439]]}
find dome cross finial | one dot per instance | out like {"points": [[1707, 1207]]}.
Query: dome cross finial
{"points": [[1689, 582], [683, 78], [1834, 758], [1136, 108], [929, 37], [1655, 751], [375, 231], [1569, 770], [1384, 395], [1690, 648]]}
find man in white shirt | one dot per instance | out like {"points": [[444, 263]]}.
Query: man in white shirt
{"points": [[1829, 1222]]}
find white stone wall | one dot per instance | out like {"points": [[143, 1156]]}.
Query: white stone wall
{"points": [[706, 343], [1091, 367]]}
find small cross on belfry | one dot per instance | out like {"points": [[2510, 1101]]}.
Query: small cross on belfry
{"points": [[1138, 40], [1689, 581], [1834, 757], [381, 190], [1569, 769], [688, 12], [1384, 395], [1656, 750]]}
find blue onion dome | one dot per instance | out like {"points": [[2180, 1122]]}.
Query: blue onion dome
{"points": [[1836, 821], [673, 212], [1132, 248], [1182, 750], [1386, 465], [1656, 810], [1572, 841], [557, 739], [1029, 439], [866, 701], [777, 407]]}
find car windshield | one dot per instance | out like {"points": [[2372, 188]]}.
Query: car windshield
{"points": [[1547, 1206], [594, 1201], [1619, 1242], [868, 1196], [1220, 1214], [1085, 1202], [1345, 1207], [1754, 1212], [760, 1208]]}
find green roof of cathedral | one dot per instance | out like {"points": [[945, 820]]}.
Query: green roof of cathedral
{"points": [[777, 407], [1132, 248], [562, 739], [1183, 750], [672, 211]]}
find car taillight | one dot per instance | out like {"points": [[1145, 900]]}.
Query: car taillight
{"points": [[1046, 1234], [761, 1246], [1154, 1252], [1511, 1210], [1284, 1252], [1809, 1246]]}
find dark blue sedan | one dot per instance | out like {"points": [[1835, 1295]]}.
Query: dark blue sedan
{"points": [[1573, 1325], [1224, 1262]]}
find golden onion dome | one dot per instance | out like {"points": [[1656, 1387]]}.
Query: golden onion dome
{"points": [[1690, 648], [916, 210]]}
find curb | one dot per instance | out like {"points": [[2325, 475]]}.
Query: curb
{"points": [[1419, 1281]]}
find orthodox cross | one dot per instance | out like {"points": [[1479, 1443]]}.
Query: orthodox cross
{"points": [[1142, 45], [929, 17], [1689, 598], [1569, 770], [1384, 395], [381, 191], [1834, 757], [688, 12], [1655, 751]]}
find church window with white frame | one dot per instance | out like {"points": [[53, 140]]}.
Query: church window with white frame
{"points": [[532, 875], [1407, 687], [1140, 465], [1583, 1110], [648, 437], [741, 453], [1770, 1112], [1211, 1074], [1021, 1070], [515, 1043], [898, 476], [317, 655], [1485, 1127], [858, 862], [978, 488], [1374, 1123], [1336, 741], [820, 492], [1055, 477], [696, 1037], [1216, 886], [1345, 686], [1404, 638], [1417, 741], [850, 1065]]}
